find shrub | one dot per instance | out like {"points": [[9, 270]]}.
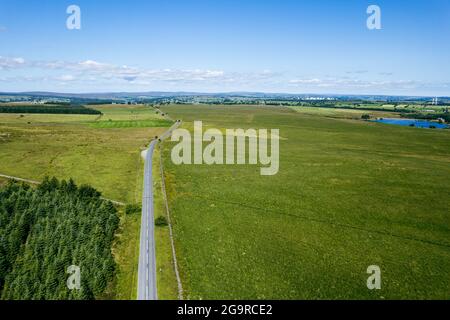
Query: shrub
{"points": [[161, 221], [132, 208]]}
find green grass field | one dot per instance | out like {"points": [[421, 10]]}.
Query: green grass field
{"points": [[353, 114], [124, 112], [79, 146], [349, 194], [166, 279], [392, 107], [82, 147], [131, 124]]}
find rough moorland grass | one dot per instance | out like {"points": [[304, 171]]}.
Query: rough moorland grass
{"points": [[133, 112], [31, 119], [344, 113], [349, 194], [126, 253], [109, 159], [167, 285], [67, 146]]}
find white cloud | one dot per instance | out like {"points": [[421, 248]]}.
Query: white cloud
{"points": [[305, 81], [94, 74], [11, 63], [346, 84], [96, 71], [357, 72], [65, 78], [91, 63], [328, 82]]}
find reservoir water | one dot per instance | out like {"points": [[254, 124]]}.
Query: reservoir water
{"points": [[413, 122]]}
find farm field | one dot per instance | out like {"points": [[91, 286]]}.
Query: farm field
{"points": [[132, 124], [80, 146], [349, 194], [354, 114], [392, 107], [33, 146]]}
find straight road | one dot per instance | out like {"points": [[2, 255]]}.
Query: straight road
{"points": [[147, 258]]}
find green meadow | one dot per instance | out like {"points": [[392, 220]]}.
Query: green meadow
{"points": [[165, 276], [349, 194], [132, 124], [101, 150], [88, 148]]}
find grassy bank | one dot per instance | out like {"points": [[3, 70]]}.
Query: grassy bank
{"points": [[166, 280]]}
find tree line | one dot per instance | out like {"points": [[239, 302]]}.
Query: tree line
{"points": [[50, 109], [430, 116]]}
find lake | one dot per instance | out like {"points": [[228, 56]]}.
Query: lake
{"points": [[415, 122]]}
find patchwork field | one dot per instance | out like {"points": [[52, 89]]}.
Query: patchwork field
{"points": [[83, 148], [349, 194]]}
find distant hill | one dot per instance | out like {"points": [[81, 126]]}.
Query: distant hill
{"points": [[249, 95]]}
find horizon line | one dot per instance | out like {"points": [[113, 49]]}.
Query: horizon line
{"points": [[218, 93]]}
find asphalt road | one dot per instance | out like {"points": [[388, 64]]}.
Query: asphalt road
{"points": [[147, 259]]}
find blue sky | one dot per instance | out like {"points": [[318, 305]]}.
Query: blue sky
{"points": [[314, 46]]}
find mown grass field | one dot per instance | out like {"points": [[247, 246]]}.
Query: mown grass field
{"points": [[108, 158], [349, 194], [132, 124]]}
